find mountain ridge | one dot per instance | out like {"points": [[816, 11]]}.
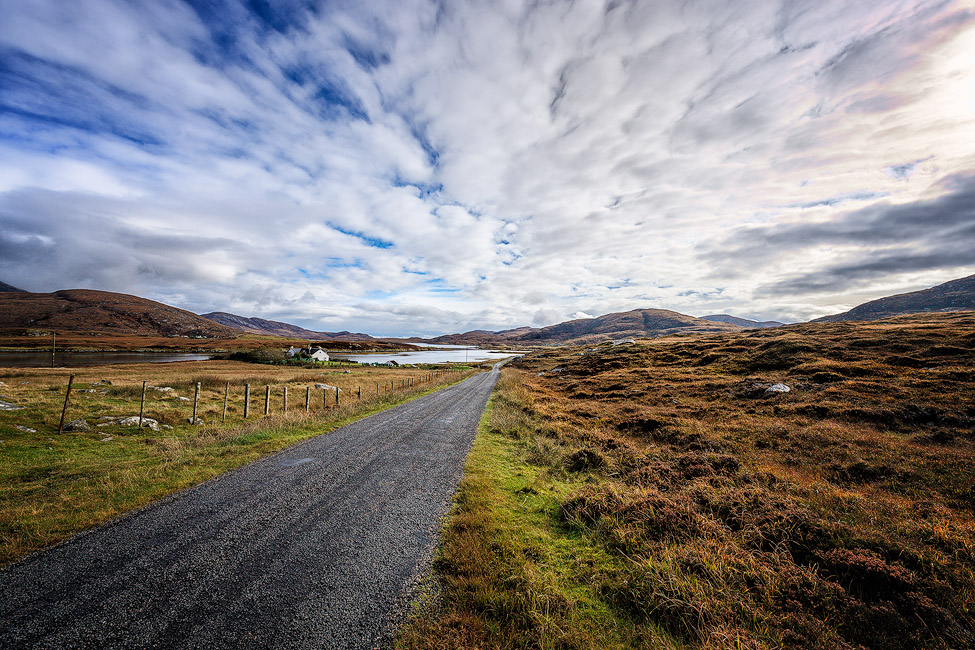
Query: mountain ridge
{"points": [[255, 325], [104, 312], [743, 322], [954, 295]]}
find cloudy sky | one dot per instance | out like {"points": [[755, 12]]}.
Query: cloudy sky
{"points": [[422, 167]]}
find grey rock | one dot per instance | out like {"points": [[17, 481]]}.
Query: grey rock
{"points": [[77, 425], [777, 388]]}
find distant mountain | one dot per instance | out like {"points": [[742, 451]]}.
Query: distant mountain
{"points": [[635, 323], [103, 312], [956, 295], [6, 287], [742, 322], [276, 328]]}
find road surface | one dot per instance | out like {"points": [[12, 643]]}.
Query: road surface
{"points": [[314, 547]]}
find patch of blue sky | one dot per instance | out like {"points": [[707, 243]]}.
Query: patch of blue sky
{"points": [[425, 190], [57, 95], [374, 242], [433, 155], [840, 198], [367, 57], [439, 285]]}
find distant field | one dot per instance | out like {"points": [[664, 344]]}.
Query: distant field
{"points": [[52, 485], [656, 496]]}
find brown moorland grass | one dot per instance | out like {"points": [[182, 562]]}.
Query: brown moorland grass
{"points": [[52, 486], [655, 495]]}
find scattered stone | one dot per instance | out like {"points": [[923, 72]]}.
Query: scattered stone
{"points": [[93, 390], [133, 421], [106, 418], [541, 374], [184, 399], [167, 426], [325, 387], [7, 406], [198, 422], [25, 429], [105, 439], [165, 390], [623, 342], [103, 382], [77, 425], [777, 388]]}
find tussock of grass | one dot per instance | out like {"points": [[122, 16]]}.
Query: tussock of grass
{"points": [[702, 512]]}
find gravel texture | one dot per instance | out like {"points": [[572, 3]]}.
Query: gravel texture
{"points": [[314, 547]]}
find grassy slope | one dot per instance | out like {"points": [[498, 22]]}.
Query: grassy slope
{"points": [[52, 486], [654, 496]]}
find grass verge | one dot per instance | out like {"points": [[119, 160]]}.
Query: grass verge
{"points": [[511, 575], [53, 486]]}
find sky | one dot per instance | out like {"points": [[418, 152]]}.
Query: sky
{"points": [[424, 167]]}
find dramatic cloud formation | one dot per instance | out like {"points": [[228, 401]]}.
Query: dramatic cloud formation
{"points": [[423, 167]]}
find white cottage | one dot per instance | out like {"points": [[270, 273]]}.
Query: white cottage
{"points": [[318, 354]]}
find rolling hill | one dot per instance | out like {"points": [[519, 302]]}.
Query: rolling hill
{"points": [[956, 295], [6, 287], [103, 312], [635, 323], [277, 328], [742, 322]]}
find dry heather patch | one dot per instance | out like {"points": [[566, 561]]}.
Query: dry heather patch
{"points": [[838, 514]]}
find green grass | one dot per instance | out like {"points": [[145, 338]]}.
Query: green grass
{"points": [[53, 486], [512, 574]]}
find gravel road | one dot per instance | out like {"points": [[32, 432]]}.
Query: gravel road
{"points": [[314, 547]]}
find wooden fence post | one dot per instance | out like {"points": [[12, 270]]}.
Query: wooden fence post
{"points": [[142, 404], [359, 396], [65, 408], [267, 400], [196, 399], [286, 400], [226, 398], [324, 398], [247, 400], [336, 396], [307, 398]]}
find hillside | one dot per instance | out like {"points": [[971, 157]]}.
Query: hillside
{"points": [[956, 295], [277, 328], [103, 312], [6, 287], [635, 323], [741, 322]]}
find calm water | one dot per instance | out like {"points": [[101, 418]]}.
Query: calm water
{"points": [[76, 359], [455, 355]]}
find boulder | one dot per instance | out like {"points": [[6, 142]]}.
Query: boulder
{"points": [[77, 425], [133, 421], [325, 387], [777, 388]]}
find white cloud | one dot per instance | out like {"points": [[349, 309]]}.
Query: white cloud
{"points": [[426, 167]]}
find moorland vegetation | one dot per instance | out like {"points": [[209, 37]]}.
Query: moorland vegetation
{"points": [[660, 495]]}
